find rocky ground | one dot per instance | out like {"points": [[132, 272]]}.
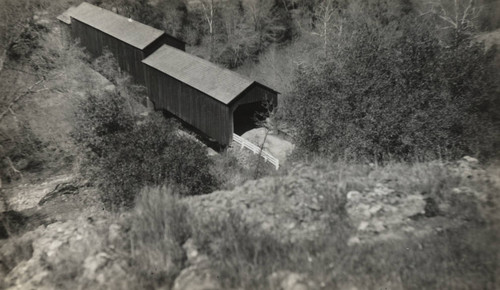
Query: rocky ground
{"points": [[65, 240]]}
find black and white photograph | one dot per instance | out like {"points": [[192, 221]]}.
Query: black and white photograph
{"points": [[249, 144]]}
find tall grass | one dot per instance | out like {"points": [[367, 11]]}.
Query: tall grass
{"points": [[159, 228]]}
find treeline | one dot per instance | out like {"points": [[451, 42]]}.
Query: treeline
{"points": [[231, 32], [398, 81]]}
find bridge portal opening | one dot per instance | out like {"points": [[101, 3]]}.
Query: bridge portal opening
{"points": [[248, 116]]}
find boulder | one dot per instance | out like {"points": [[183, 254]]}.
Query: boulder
{"points": [[103, 271], [286, 280], [199, 276]]}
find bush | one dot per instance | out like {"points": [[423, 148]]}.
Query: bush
{"points": [[123, 153], [27, 42], [400, 91]]}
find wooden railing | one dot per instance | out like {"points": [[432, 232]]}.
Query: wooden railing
{"points": [[244, 143]]}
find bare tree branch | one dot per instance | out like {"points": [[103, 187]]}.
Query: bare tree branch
{"points": [[458, 14], [16, 99]]}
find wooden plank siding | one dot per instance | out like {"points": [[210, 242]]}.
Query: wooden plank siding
{"points": [[201, 93], [128, 57], [196, 108]]}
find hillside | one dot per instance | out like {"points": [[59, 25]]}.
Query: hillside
{"points": [[389, 176]]}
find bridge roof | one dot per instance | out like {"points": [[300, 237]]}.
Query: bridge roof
{"points": [[125, 29], [66, 15], [219, 83]]}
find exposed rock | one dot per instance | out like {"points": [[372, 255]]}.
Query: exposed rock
{"points": [[109, 88], [198, 277], [290, 208], [199, 274], [467, 191], [382, 210], [468, 168], [192, 254], [285, 280], [115, 235], [102, 271], [57, 249], [15, 251]]}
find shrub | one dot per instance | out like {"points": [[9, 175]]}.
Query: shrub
{"points": [[27, 42], [399, 91], [98, 117], [124, 153]]}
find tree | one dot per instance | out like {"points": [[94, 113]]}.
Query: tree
{"points": [[240, 41], [209, 9], [139, 10], [174, 14], [266, 21], [324, 15], [397, 90], [461, 16]]}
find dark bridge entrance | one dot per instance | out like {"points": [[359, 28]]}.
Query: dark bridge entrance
{"points": [[247, 117]]}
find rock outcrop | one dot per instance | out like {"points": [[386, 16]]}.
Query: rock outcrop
{"points": [[62, 252], [382, 211], [290, 208]]}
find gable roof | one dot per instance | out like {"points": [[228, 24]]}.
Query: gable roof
{"points": [[66, 15], [127, 30], [219, 83]]}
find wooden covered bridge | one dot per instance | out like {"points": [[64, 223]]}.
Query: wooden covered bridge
{"points": [[217, 102], [130, 42]]}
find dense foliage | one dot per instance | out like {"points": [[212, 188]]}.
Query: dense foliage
{"points": [[227, 32], [398, 89], [125, 153]]}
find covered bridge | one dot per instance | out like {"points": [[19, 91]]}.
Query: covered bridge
{"points": [[216, 101], [129, 40]]}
